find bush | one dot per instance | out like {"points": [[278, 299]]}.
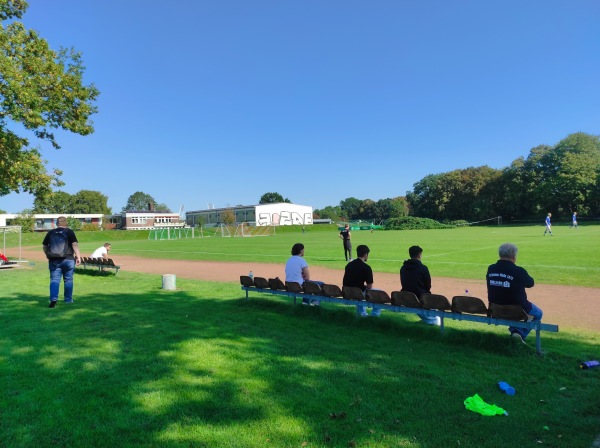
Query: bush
{"points": [[414, 223], [25, 220], [457, 223], [73, 223], [89, 227]]}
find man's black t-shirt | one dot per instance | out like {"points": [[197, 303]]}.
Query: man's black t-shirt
{"points": [[345, 234], [358, 274]]}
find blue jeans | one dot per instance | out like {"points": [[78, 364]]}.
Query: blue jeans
{"points": [[537, 316], [313, 301], [60, 269], [428, 320], [362, 310]]}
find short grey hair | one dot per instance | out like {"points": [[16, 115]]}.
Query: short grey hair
{"points": [[508, 250]]}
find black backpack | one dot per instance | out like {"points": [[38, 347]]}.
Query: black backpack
{"points": [[58, 244]]}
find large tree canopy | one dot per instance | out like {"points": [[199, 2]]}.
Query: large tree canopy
{"points": [[458, 194], [560, 179], [41, 89], [140, 202], [84, 201], [272, 198]]}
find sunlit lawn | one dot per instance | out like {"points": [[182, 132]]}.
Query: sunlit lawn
{"points": [[130, 365], [568, 258]]}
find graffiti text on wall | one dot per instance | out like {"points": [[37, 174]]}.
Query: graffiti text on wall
{"points": [[284, 219]]}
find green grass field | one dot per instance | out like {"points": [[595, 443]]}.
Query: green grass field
{"points": [[568, 258], [130, 365]]}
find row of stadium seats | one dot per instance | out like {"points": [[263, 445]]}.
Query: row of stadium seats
{"points": [[464, 308], [459, 304]]}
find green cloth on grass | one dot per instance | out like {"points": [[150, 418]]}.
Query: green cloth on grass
{"points": [[476, 404]]}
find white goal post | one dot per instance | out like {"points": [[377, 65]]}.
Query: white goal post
{"points": [[11, 238], [246, 230]]}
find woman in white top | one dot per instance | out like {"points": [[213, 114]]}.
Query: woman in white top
{"points": [[296, 270]]}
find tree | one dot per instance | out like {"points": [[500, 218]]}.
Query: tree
{"points": [[24, 219], [576, 164], [334, 213], [559, 179], [140, 202], [73, 223], [84, 201], [458, 194], [399, 207], [88, 201], [390, 208], [228, 217], [56, 202], [272, 198], [40, 89], [162, 207], [350, 208]]}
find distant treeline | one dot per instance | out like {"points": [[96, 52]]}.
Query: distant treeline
{"points": [[559, 179]]}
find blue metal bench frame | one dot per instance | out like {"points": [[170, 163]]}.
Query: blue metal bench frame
{"points": [[537, 326]]}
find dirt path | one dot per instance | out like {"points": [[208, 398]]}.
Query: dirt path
{"points": [[568, 306]]}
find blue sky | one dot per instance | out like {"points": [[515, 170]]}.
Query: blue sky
{"points": [[221, 101]]}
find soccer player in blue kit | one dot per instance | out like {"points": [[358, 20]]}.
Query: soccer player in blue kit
{"points": [[548, 225]]}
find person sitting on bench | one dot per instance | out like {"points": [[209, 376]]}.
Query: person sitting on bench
{"points": [[506, 283], [360, 275], [415, 278], [102, 251], [296, 270]]}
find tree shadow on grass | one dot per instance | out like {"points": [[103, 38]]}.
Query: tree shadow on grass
{"points": [[178, 368]]}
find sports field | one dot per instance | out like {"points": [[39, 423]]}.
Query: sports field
{"points": [[130, 365], [570, 257]]}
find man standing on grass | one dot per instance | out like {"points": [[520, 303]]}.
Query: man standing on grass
{"points": [[360, 275], [345, 236], [548, 225], [506, 283], [62, 250], [574, 222]]}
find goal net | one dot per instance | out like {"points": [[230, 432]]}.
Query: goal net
{"points": [[11, 246], [246, 230], [175, 233]]}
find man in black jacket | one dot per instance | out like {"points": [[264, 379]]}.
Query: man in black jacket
{"points": [[415, 278], [506, 283]]}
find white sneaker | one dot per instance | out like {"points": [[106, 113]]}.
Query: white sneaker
{"points": [[517, 337], [438, 321]]}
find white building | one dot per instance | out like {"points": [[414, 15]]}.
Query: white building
{"points": [[278, 214], [47, 221]]}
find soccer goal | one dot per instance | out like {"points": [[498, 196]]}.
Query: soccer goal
{"points": [[11, 247], [246, 230], [223, 231], [172, 233], [488, 221]]}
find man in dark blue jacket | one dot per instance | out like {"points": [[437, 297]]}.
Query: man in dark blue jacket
{"points": [[506, 283]]}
